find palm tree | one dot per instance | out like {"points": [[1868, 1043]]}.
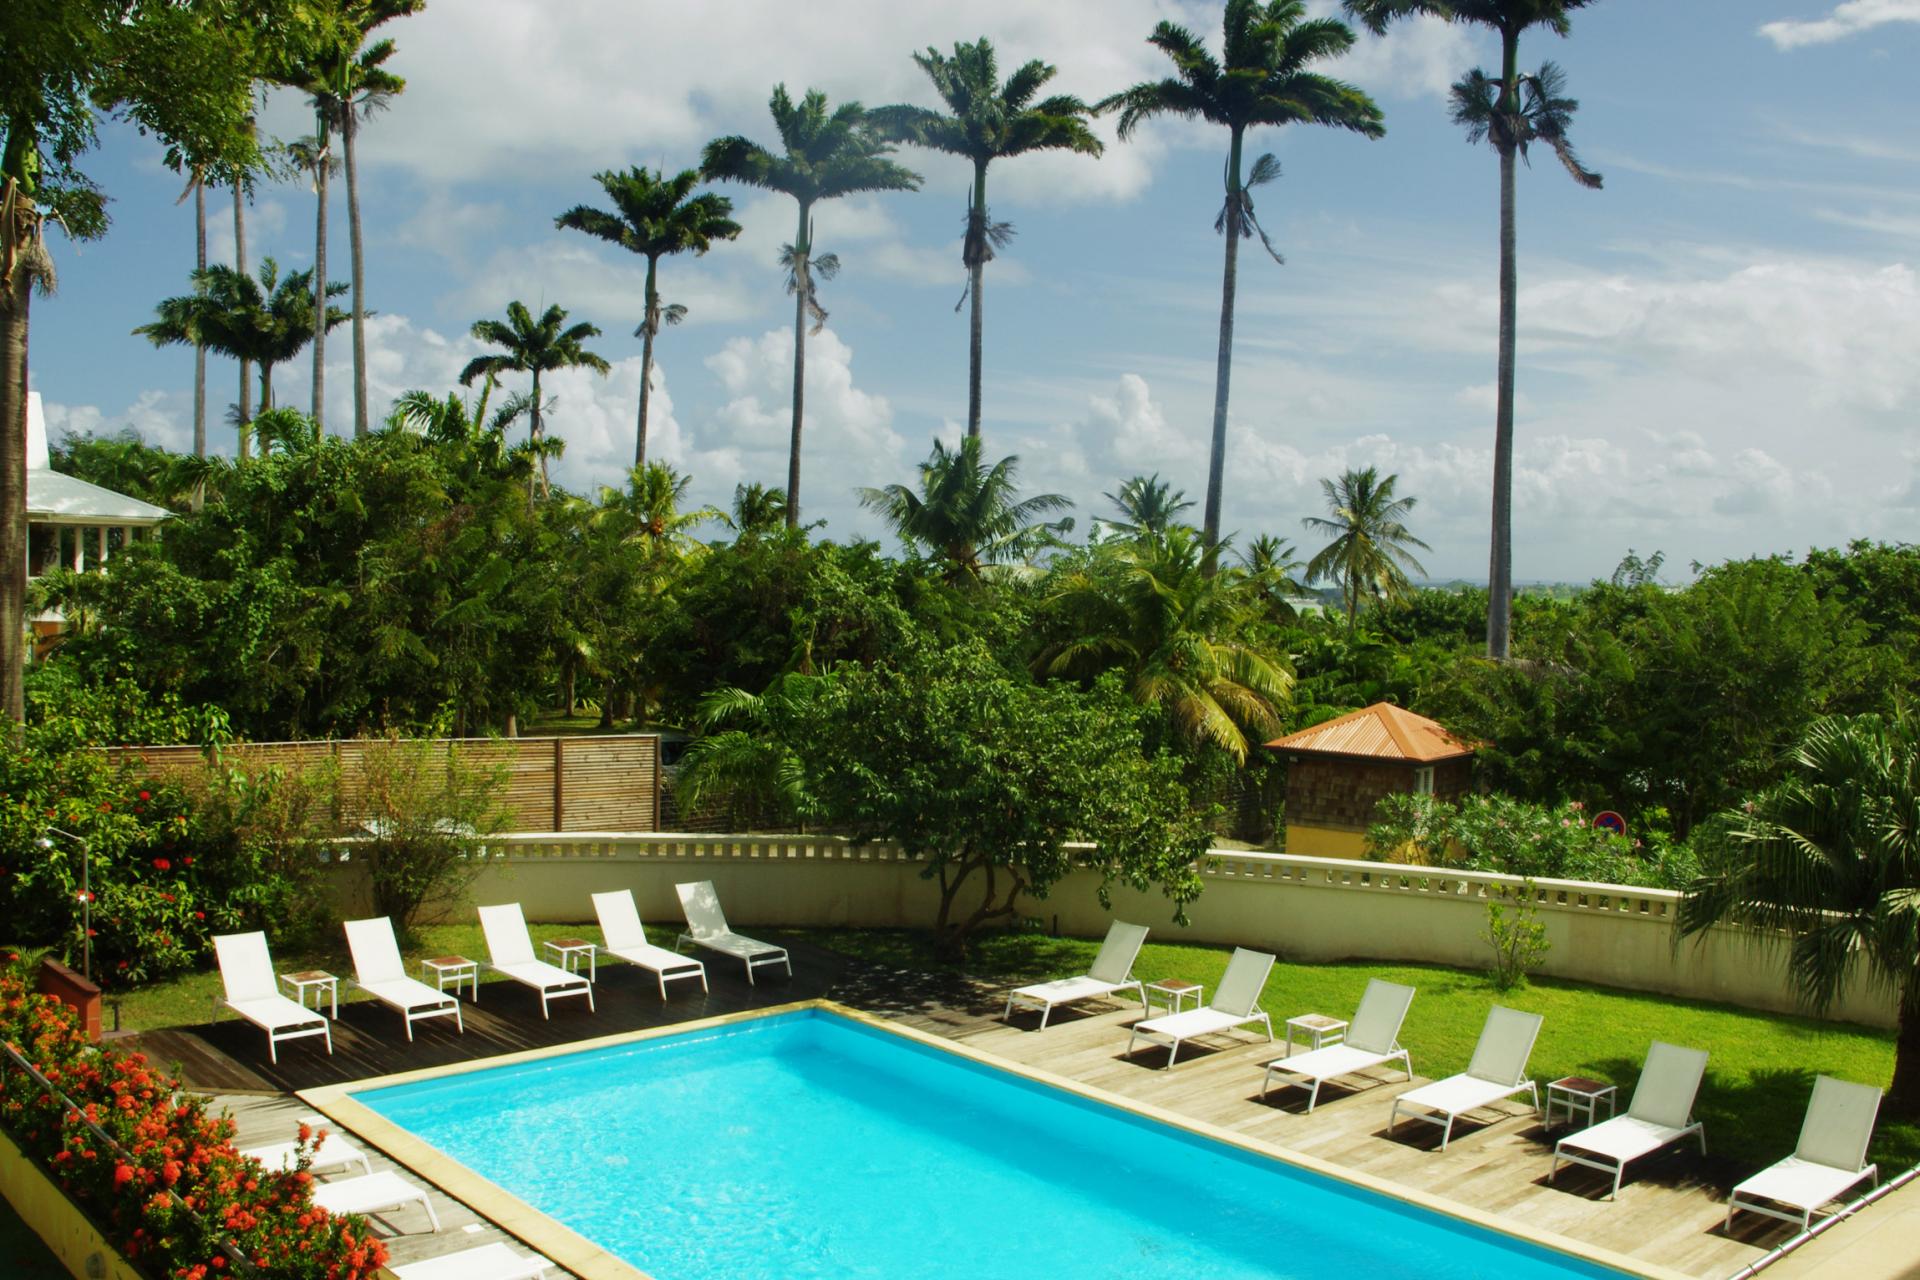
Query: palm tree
{"points": [[313, 156], [534, 347], [988, 121], [757, 509], [1511, 113], [1827, 863], [1149, 506], [1262, 80], [967, 513], [656, 215], [1272, 569], [825, 155], [1368, 553], [264, 320]]}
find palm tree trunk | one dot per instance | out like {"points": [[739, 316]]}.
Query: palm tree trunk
{"points": [[14, 308], [348, 129], [199, 348], [1223, 368], [802, 253], [240, 265], [536, 433], [977, 270], [266, 400], [646, 363], [1500, 563], [319, 410]]}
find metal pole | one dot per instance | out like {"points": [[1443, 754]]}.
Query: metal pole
{"points": [[86, 898]]}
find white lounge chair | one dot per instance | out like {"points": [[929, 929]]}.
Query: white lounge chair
{"points": [[379, 971], [1660, 1114], [1497, 1072], [1112, 971], [488, 1262], [707, 927], [1830, 1160], [375, 1193], [246, 971], [1373, 1038], [328, 1153], [626, 937], [1235, 1003], [510, 951]]}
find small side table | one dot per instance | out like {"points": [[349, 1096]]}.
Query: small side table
{"points": [[318, 981], [455, 969], [1178, 991], [1318, 1028], [570, 951], [1581, 1097]]}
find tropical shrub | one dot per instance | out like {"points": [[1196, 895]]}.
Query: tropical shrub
{"points": [[1518, 939], [425, 813], [1514, 837]]}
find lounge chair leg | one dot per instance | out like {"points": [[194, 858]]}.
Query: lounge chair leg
{"points": [[703, 982], [1045, 1013], [1619, 1171], [1446, 1134], [427, 1204], [1172, 1053], [273, 1049], [1313, 1099], [1131, 1040], [459, 1023]]}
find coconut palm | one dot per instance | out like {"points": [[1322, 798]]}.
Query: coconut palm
{"points": [[533, 347], [1263, 78], [967, 513], [655, 216], [1827, 864], [1149, 506], [313, 156], [1272, 569], [1510, 113], [757, 509], [1368, 553], [988, 121], [824, 155]]}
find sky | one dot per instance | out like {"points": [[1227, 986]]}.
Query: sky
{"points": [[1719, 352]]}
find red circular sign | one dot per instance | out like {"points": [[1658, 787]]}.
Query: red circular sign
{"points": [[1608, 820]]}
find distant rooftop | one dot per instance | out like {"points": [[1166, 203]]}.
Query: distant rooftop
{"points": [[1378, 732]]}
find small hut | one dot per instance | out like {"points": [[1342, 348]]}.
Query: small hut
{"points": [[1339, 770]]}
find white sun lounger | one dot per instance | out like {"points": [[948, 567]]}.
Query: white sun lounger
{"points": [[1830, 1160], [488, 1262], [329, 1153], [1660, 1114], [510, 951], [1497, 1072], [246, 971], [707, 927], [1112, 971], [1373, 1038], [379, 971], [375, 1193], [1235, 1003], [626, 937]]}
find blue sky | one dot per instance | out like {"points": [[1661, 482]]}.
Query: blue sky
{"points": [[1720, 351]]}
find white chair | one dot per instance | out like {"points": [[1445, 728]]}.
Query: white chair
{"points": [[1497, 1072], [246, 972], [1660, 1114], [1372, 1039], [707, 927], [1235, 1003], [1830, 1160], [379, 971], [510, 951], [1112, 971], [326, 1154], [488, 1262], [375, 1193], [626, 937]]}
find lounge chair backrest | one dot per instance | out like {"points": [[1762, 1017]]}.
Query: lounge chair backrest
{"points": [[506, 930], [619, 920], [1376, 1024], [1246, 977], [702, 905], [1118, 952], [375, 951], [1506, 1042], [246, 967], [1839, 1124], [1668, 1085]]}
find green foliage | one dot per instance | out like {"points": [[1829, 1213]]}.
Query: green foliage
{"points": [[967, 513], [426, 813], [1367, 554], [1518, 939], [1517, 838]]}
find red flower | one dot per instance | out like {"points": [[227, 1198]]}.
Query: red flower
{"points": [[146, 795], [199, 915], [189, 858], [161, 864]]}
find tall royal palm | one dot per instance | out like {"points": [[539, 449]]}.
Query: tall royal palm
{"points": [[1368, 553], [966, 512], [1510, 113], [533, 347], [1263, 78], [654, 216], [824, 155], [989, 121]]}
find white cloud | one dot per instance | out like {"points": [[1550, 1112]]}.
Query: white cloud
{"points": [[1847, 19]]}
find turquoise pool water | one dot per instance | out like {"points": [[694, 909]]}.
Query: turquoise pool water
{"points": [[810, 1145]]}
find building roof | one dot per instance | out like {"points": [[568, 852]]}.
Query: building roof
{"points": [[54, 496], [1378, 732]]}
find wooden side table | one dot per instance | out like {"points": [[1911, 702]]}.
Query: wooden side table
{"points": [[1318, 1028], [571, 950], [1581, 1097], [455, 969], [1178, 991], [317, 981]]}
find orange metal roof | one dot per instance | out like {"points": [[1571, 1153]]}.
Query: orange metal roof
{"points": [[1380, 732]]}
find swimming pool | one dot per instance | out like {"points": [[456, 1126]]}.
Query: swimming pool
{"points": [[808, 1144]]}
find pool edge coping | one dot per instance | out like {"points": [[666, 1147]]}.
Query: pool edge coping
{"points": [[574, 1252]]}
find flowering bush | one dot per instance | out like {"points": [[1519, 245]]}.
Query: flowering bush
{"points": [[1513, 837], [175, 1194]]}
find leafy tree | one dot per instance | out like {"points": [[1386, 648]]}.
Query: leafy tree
{"points": [[757, 509], [655, 216], [1367, 554], [1148, 505], [1511, 113], [534, 347], [1829, 859], [967, 513], [825, 155], [987, 121], [127, 464], [1263, 78]]}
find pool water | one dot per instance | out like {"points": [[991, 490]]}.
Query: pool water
{"points": [[808, 1144]]}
